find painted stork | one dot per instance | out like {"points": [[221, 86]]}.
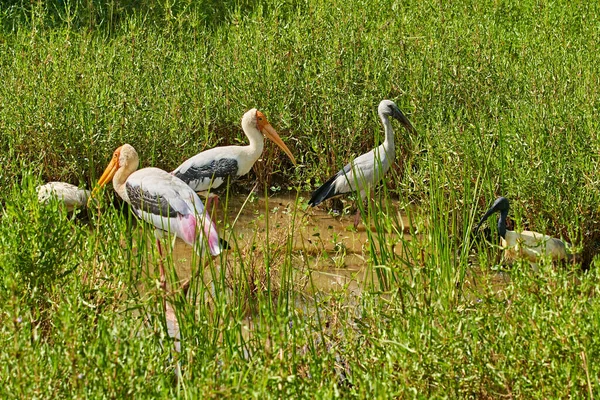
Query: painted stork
{"points": [[211, 168], [368, 169], [163, 200], [70, 195], [529, 245]]}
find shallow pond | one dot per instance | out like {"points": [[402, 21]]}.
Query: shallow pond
{"points": [[326, 253], [327, 246]]}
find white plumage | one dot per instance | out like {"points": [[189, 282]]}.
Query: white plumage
{"points": [[70, 195], [528, 245], [368, 169], [532, 246], [211, 168], [162, 200]]}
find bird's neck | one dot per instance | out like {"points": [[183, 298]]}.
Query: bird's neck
{"points": [[388, 143], [389, 132], [257, 143], [502, 224], [119, 183]]}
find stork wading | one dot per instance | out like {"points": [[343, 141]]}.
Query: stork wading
{"points": [[368, 169]]}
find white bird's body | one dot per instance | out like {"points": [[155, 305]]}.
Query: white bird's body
{"points": [[532, 246], [70, 195], [211, 168], [361, 173], [528, 245], [368, 169], [162, 199], [170, 206]]}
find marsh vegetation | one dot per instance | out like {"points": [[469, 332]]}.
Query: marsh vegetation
{"points": [[504, 98]]}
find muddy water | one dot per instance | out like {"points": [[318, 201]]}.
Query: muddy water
{"points": [[327, 251], [334, 253]]}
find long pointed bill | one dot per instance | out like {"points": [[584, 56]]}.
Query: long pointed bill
{"points": [[404, 121], [483, 219], [409, 126], [106, 177], [500, 204], [270, 132]]}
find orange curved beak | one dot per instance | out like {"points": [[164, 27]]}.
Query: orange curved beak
{"points": [[109, 172], [106, 177], [271, 133]]}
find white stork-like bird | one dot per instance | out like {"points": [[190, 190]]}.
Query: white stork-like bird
{"points": [[163, 200], [211, 168], [526, 244], [368, 169], [70, 195]]}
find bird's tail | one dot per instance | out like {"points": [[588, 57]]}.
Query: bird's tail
{"points": [[326, 191], [210, 233]]}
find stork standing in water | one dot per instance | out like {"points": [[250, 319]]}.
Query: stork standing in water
{"points": [[529, 245], [163, 200], [211, 168], [368, 169], [70, 195]]}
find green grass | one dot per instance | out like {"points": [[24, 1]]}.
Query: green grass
{"points": [[505, 100]]}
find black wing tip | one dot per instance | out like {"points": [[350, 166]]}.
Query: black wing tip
{"points": [[224, 244], [321, 194], [315, 202]]}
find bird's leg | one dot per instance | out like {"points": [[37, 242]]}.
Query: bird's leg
{"points": [[361, 198], [161, 267], [210, 199], [357, 217], [213, 198]]}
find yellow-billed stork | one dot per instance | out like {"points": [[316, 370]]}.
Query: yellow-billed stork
{"points": [[211, 168], [163, 200], [70, 195], [368, 169], [526, 244]]}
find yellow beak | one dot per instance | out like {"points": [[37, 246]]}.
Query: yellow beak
{"points": [[270, 133], [106, 177]]}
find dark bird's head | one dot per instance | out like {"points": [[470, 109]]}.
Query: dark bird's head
{"points": [[388, 108], [500, 205]]}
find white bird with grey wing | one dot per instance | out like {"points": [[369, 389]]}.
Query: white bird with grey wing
{"points": [[70, 195], [211, 168], [170, 205], [163, 200], [526, 244], [368, 169]]}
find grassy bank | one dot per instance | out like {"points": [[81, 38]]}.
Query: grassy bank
{"points": [[505, 101]]}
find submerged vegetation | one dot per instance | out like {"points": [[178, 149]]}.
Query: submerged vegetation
{"points": [[504, 98]]}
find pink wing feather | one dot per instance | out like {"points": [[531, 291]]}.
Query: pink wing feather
{"points": [[188, 228], [210, 232]]}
